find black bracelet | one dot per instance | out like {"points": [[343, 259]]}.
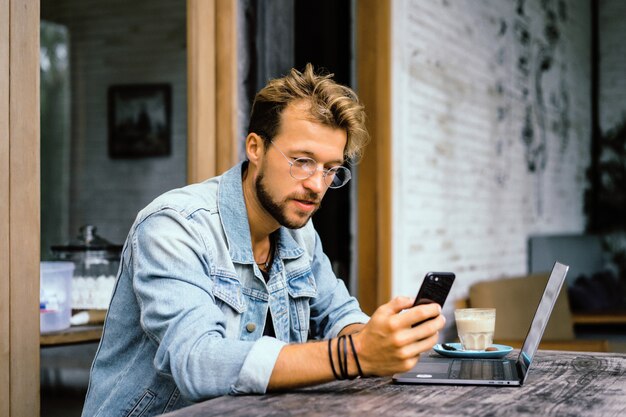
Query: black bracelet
{"points": [[330, 357], [339, 358], [345, 358], [356, 358], [344, 361]]}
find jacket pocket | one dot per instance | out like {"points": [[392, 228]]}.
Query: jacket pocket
{"points": [[228, 290], [141, 406]]}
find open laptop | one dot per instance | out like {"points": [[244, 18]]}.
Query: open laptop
{"points": [[461, 371]]}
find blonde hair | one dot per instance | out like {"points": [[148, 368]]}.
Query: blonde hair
{"points": [[330, 104]]}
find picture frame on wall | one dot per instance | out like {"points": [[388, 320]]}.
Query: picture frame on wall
{"points": [[139, 117]]}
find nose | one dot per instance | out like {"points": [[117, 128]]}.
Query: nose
{"points": [[316, 182]]}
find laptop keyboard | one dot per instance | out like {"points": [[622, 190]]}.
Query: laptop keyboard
{"points": [[477, 369]]}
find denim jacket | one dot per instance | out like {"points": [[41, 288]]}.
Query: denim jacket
{"points": [[187, 315]]}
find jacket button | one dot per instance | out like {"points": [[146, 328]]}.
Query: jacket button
{"points": [[250, 327]]}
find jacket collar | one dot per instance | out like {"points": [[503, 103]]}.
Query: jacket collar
{"points": [[232, 208]]}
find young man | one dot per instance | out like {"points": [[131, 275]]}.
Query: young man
{"points": [[222, 282]]}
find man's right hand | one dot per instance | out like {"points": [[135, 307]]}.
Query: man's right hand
{"points": [[389, 344]]}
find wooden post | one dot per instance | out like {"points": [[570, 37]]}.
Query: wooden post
{"points": [[201, 152], [211, 87], [19, 211], [5, 346], [374, 186], [226, 89]]}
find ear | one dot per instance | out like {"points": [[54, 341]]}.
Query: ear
{"points": [[255, 147]]}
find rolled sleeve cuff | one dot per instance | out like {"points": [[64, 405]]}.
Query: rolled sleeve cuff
{"points": [[352, 318], [257, 368]]}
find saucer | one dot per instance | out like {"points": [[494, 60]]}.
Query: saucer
{"points": [[502, 351]]}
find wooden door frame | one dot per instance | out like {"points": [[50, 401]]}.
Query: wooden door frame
{"points": [[211, 88], [20, 208], [374, 206]]}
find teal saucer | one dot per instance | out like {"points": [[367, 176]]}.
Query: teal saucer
{"points": [[502, 351]]}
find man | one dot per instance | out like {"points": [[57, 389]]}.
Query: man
{"points": [[222, 282]]}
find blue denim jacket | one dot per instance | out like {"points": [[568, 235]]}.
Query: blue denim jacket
{"points": [[188, 311]]}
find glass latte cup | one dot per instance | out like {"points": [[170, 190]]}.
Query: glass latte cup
{"points": [[475, 327]]}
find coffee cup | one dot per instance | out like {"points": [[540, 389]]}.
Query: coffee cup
{"points": [[475, 327]]}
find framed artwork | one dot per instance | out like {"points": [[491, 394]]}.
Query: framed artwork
{"points": [[139, 120]]}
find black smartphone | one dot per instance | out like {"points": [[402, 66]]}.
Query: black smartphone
{"points": [[434, 289]]}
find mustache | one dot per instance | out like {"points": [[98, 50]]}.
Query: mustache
{"points": [[311, 197]]}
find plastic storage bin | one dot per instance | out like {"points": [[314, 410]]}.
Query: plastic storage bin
{"points": [[55, 309], [97, 261]]}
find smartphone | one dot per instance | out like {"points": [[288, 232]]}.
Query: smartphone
{"points": [[434, 289]]}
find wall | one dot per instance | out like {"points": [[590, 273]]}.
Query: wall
{"points": [[612, 66], [491, 133], [119, 42], [55, 135]]}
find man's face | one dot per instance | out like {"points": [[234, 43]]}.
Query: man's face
{"points": [[292, 202]]}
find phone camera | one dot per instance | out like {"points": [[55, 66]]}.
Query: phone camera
{"points": [[436, 278]]}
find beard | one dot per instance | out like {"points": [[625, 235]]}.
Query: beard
{"points": [[278, 209]]}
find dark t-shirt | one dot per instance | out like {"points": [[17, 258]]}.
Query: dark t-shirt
{"points": [[269, 325]]}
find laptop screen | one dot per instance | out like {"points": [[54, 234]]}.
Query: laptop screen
{"points": [[542, 315]]}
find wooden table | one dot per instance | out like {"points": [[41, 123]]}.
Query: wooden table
{"points": [[85, 333], [559, 384], [73, 335], [618, 319]]}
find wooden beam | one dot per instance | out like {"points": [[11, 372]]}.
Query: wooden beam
{"points": [[24, 207], [201, 79], [5, 352], [374, 186], [227, 136], [212, 87]]}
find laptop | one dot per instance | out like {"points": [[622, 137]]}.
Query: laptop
{"points": [[508, 372]]}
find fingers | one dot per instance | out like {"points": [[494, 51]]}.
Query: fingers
{"points": [[411, 351], [418, 314], [414, 349], [423, 331], [396, 305], [389, 343]]}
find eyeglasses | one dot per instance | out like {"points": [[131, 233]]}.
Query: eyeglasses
{"points": [[303, 168]]}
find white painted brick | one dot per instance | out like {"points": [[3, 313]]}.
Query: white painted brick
{"points": [[464, 199]]}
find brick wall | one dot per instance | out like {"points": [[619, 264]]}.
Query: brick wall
{"points": [[120, 42], [491, 133]]}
